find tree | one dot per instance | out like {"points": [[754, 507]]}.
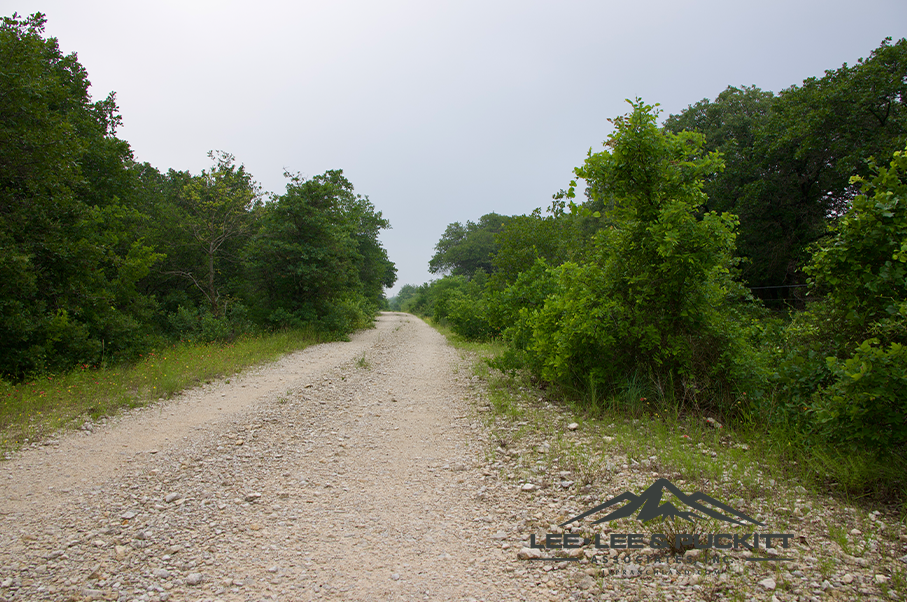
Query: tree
{"points": [[465, 249], [316, 253], [789, 158], [376, 271], [216, 212], [861, 268], [650, 298], [69, 257], [862, 271]]}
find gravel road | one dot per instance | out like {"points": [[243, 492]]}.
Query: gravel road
{"points": [[347, 471]]}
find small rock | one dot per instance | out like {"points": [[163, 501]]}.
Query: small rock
{"points": [[527, 553], [172, 497], [607, 439], [128, 515], [194, 579], [573, 426], [161, 573], [121, 552], [395, 577], [880, 579], [273, 569], [92, 594], [847, 579], [238, 442], [586, 582], [528, 487], [855, 561], [856, 532], [715, 425], [768, 584], [252, 497]]}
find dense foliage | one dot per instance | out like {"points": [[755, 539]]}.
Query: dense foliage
{"points": [[102, 257], [640, 293], [789, 157]]}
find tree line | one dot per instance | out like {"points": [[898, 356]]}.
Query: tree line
{"points": [[103, 257], [744, 259]]}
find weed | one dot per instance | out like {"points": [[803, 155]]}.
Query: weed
{"points": [[32, 410], [899, 583], [363, 363], [827, 566], [838, 535]]}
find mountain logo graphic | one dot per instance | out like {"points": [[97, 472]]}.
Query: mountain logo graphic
{"points": [[650, 506]]}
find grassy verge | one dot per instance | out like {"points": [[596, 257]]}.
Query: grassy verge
{"points": [[684, 444], [32, 410]]}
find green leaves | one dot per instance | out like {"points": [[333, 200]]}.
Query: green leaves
{"points": [[317, 250], [862, 267], [866, 405], [465, 249], [649, 297]]}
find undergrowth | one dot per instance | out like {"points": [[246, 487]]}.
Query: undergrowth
{"points": [[746, 457], [34, 409]]}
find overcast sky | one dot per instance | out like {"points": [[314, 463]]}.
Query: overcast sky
{"points": [[437, 111]]}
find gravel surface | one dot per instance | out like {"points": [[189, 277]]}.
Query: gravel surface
{"points": [[345, 471], [366, 470]]}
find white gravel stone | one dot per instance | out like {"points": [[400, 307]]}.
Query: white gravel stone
{"points": [[194, 579]]}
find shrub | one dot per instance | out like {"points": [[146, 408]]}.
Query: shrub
{"points": [[867, 403], [653, 296]]}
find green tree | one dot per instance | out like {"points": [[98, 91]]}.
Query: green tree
{"points": [[862, 272], [316, 257], [69, 256], [861, 269], [527, 238], [465, 249], [790, 157], [650, 299], [376, 270], [217, 215]]}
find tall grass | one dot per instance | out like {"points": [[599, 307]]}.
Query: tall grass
{"points": [[34, 409], [646, 419]]}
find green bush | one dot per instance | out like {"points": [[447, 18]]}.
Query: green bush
{"points": [[843, 364], [654, 296], [469, 317], [866, 406]]}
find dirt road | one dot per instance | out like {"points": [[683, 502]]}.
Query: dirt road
{"points": [[347, 471]]}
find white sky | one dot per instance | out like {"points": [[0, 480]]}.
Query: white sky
{"points": [[438, 111]]}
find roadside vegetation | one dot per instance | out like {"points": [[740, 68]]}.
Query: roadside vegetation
{"points": [[32, 410], [743, 263], [104, 258], [121, 283]]}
